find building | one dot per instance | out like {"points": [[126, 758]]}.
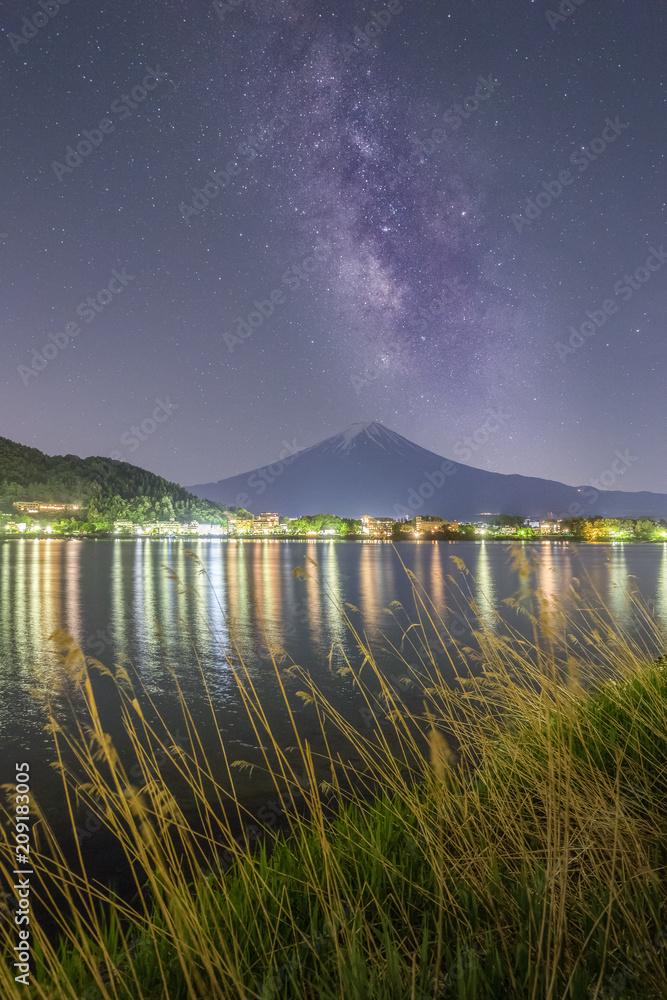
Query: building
{"points": [[37, 507], [195, 528], [265, 524], [429, 526], [377, 527], [119, 526], [160, 528], [168, 528], [240, 525], [550, 527]]}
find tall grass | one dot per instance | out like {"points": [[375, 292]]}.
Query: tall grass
{"points": [[504, 835]]}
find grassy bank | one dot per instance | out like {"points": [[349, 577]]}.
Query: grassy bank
{"points": [[507, 837]]}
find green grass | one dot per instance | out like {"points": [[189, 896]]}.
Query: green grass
{"points": [[506, 840]]}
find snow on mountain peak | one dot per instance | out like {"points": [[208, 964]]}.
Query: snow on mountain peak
{"points": [[348, 437], [355, 429]]}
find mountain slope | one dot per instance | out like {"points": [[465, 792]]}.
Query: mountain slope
{"points": [[369, 469], [28, 474]]}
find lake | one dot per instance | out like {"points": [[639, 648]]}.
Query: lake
{"points": [[148, 603]]}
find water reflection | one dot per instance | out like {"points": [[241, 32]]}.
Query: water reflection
{"points": [[332, 579], [619, 585], [239, 591], [434, 580], [377, 577], [661, 587], [118, 623], [73, 550], [486, 592], [119, 593], [554, 580]]}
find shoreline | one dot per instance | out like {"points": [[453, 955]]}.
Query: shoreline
{"points": [[504, 539], [391, 825]]}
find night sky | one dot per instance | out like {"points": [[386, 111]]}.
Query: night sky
{"points": [[279, 157]]}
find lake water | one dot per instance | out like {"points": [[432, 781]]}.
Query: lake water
{"points": [[147, 602]]}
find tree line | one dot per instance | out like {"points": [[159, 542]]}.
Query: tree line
{"points": [[107, 489]]}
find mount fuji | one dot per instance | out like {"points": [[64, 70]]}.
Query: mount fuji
{"points": [[369, 469]]}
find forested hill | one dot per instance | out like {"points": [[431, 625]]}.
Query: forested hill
{"points": [[108, 488]]}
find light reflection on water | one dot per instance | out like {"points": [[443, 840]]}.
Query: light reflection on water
{"points": [[661, 589], [486, 593], [619, 589], [117, 597]]}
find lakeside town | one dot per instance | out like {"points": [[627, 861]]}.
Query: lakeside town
{"points": [[37, 518]]}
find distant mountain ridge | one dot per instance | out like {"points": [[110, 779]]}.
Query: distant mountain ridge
{"points": [[369, 469]]}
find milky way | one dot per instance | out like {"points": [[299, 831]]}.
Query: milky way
{"points": [[336, 213], [357, 165]]}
